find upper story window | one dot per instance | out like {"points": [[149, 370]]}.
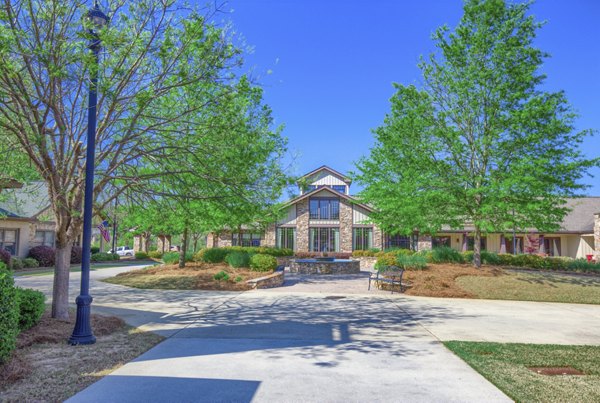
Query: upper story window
{"points": [[339, 188], [324, 209]]}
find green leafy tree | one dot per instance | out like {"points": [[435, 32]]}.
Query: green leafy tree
{"points": [[479, 138], [154, 52]]}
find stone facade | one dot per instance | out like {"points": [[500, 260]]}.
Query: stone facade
{"points": [[269, 237], [302, 222], [272, 280], [163, 243], [224, 239], [312, 266], [346, 221], [377, 238], [597, 236], [366, 262]]}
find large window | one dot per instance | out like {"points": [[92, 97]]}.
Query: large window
{"points": [[552, 246], [439, 241], [362, 238], [286, 238], [324, 209], [509, 245], [247, 239], [471, 243], [324, 239], [43, 238], [9, 240], [398, 241]]}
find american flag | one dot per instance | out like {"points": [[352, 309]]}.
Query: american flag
{"points": [[103, 227]]}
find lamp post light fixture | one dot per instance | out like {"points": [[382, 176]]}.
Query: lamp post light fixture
{"points": [[82, 333]]}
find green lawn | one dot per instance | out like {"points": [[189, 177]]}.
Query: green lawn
{"points": [[506, 366], [535, 286]]}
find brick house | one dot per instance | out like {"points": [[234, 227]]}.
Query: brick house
{"points": [[324, 217]]}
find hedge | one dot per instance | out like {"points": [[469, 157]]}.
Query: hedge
{"points": [[5, 257], [141, 255], [104, 257], [262, 262], [155, 254], [45, 255], [9, 315], [238, 258], [31, 307]]}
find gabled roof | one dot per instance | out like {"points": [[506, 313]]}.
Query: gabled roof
{"points": [[25, 202], [330, 170], [333, 193], [581, 217]]}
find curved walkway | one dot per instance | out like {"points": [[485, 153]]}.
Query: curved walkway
{"points": [[302, 342]]}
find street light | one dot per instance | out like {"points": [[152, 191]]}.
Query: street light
{"points": [[82, 333]]}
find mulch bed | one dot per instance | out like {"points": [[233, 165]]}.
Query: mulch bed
{"points": [[197, 276], [438, 280]]}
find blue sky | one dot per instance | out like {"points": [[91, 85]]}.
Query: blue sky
{"points": [[327, 67]]}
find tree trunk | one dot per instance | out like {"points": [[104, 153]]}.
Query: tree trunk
{"points": [[477, 248], [195, 237], [60, 289], [183, 250]]}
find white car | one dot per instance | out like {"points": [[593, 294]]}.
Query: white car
{"points": [[124, 251]]}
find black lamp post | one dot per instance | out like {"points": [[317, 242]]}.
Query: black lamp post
{"points": [[82, 333]]}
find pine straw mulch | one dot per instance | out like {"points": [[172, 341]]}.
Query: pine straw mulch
{"points": [[44, 368], [194, 276], [438, 280]]}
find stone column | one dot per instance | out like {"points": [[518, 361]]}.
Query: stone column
{"points": [[224, 239], [502, 244], [210, 240], [302, 222], [137, 243], [345, 227], [269, 236], [163, 243], [465, 242], [377, 237], [597, 236]]}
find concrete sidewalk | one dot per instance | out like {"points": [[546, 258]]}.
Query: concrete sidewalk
{"points": [[316, 339]]}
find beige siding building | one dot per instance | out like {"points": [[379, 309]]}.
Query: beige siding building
{"points": [[326, 218]]}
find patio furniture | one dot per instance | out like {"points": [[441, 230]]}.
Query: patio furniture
{"points": [[391, 275]]}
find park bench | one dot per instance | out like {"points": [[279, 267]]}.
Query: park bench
{"points": [[391, 275]]}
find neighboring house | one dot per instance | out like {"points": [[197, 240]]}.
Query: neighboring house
{"points": [[325, 218], [26, 219]]}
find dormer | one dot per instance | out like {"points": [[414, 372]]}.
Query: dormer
{"points": [[324, 177]]}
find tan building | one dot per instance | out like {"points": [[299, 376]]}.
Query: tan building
{"points": [[25, 218], [325, 218]]}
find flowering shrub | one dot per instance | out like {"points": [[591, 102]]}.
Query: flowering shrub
{"points": [[76, 253], [45, 255]]}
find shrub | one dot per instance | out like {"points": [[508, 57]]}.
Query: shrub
{"points": [[490, 258], [45, 255], [445, 254], [5, 257], [262, 262], [170, 257], [532, 261], [399, 251], [76, 254], [214, 255], [30, 262], [505, 259], [386, 259], [141, 255], [411, 262], [16, 263], [9, 315], [221, 276], [104, 257], [3, 266], [238, 279], [94, 249], [155, 254], [238, 259], [31, 307], [583, 265], [467, 256]]}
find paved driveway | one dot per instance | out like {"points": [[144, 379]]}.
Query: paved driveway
{"points": [[304, 343]]}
